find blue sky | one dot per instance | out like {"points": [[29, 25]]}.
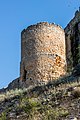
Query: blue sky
{"points": [[15, 15]]}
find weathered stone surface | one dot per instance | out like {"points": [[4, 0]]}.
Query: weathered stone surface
{"points": [[42, 53], [72, 33], [14, 84]]}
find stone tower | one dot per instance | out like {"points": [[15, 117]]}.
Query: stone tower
{"points": [[42, 53], [72, 33]]}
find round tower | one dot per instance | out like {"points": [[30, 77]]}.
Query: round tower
{"points": [[42, 53]]}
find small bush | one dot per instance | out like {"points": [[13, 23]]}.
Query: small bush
{"points": [[63, 113], [3, 116]]}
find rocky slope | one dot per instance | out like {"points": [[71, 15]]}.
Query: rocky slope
{"points": [[58, 100]]}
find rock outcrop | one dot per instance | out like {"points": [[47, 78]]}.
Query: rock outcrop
{"points": [[72, 33]]}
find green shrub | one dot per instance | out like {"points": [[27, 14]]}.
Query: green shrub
{"points": [[63, 113], [3, 116]]}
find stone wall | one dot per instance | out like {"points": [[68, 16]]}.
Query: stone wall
{"points": [[72, 33], [42, 53]]}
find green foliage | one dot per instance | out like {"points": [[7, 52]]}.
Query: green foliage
{"points": [[12, 93], [3, 116], [63, 113], [53, 114], [29, 106], [46, 105]]}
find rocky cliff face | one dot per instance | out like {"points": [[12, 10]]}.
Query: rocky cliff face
{"points": [[72, 33]]}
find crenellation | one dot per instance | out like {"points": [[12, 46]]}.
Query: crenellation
{"points": [[43, 25]]}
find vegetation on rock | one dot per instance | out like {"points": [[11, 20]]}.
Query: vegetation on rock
{"points": [[53, 101]]}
